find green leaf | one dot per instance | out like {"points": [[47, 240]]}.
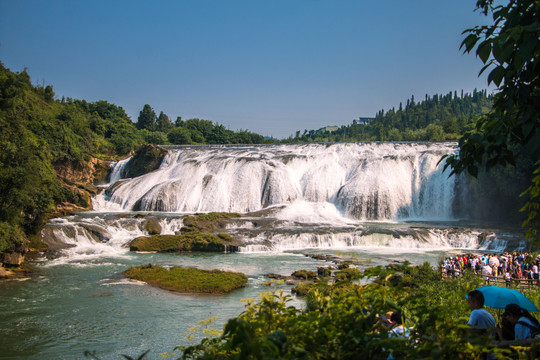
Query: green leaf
{"points": [[485, 67], [496, 76], [469, 42], [484, 50], [502, 51]]}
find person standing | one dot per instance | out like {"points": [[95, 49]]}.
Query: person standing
{"points": [[535, 270]]}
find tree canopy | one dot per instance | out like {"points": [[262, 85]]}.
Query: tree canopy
{"points": [[510, 49]]}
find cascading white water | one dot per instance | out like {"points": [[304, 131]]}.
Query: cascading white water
{"points": [[326, 196], [85, 239], [117, 170], [375, 181], [432, 239]]}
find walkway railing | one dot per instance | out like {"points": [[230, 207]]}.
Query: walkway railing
{"points": [[498, 280]]}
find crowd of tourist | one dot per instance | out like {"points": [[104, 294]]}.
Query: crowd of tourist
{"points": [[494, 266]]}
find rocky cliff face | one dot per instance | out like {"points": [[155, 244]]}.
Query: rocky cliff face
{"points": [[81, 180], [91, 173]]}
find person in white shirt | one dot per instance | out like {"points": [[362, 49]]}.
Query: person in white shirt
{"points": [[535, 271]]}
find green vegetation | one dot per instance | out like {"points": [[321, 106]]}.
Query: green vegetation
{"points": [[160, 130], [347, 274], [196, 235], [188, 280], [437, 118], [178, 243], [206, 222], [342, 322], [511, 131], [38, 134]]}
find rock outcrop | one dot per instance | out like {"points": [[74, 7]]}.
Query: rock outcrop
{"points": [[148, 158], [90, 173], [81, 179], [12, 259]]}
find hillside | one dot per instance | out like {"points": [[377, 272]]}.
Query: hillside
{"points": [[436, 118]]}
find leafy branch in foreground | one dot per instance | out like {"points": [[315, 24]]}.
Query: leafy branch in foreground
{"points": [[348, 325], [510, 49]]}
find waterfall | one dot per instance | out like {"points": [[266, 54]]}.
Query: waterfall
{"points": [[88, 237], [117, 170], [291, 197], [364, 181]]}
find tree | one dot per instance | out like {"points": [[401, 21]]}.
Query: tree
{"points": [[219, 135], [147, 119], [179, 136], [179, 122], [511, 50], [163, 123], [205, 127]]}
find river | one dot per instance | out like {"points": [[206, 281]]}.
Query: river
{"points": [[374, 203]]}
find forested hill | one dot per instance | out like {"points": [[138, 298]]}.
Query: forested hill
{"points": [[436, 118], [45, 143]]}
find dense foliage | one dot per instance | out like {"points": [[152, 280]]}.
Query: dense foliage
{"points": [[438, 117], [188, 280], [160, 130], [342, 322], [510, 48]]}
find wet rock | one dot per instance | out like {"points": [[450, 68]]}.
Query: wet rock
{"points": [[153, 227], [6, 274], [276, 276], [12, 259]]}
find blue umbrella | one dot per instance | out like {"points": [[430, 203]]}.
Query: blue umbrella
{"points": [[498, 297]]}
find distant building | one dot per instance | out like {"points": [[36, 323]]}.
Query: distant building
{"points": [[330, 128], [364, 120]]}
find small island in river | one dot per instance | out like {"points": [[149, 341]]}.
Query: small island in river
{"points": [[188, 280]]}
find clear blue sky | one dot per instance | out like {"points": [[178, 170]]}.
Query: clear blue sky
{"points": [[272, 67]]}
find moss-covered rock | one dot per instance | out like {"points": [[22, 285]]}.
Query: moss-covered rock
{"points": [[153, 227], [146, 159], [178, 243], [206, 222], [188, 280], [347, 274], [324, 272], [304, 275]]}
